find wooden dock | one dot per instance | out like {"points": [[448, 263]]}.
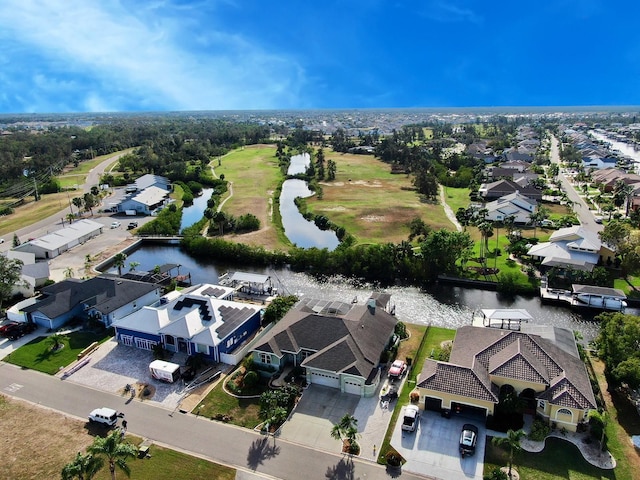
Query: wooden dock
{"points": [[607, 300]]}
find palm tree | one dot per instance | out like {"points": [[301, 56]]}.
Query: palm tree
{"points": [[486, 230], [83, 467], [68, 272], [512, 442], [70, 217], [115, 451], [347, 429], [56, 341], [119, 260], [133, 265]]}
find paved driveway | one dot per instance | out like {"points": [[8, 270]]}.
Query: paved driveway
{"points": [[319, 409], [433, 448]]}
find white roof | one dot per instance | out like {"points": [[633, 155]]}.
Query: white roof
{"points": [[164, 366], [507, 314], [151, 196], [249, 277], [66, 235]]}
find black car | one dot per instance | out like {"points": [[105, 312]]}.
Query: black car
{"points": [[468, 439], [132, 225]]}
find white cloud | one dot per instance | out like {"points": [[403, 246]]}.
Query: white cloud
{"points": [[446, 12], [154, 57]]}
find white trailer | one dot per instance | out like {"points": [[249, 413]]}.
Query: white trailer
{"points": [[164, 371]]}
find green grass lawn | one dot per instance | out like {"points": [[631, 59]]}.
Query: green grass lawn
{"points": [[371, 203], [559, 459], [166, 464], [624, 285], [37, 354], [243, 412], [457, 198]]}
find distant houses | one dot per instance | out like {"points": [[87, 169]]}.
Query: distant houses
{"points": [[58, 242]]}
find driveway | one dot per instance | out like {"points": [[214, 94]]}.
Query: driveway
{"points": [[433, 448], [319, 409]]}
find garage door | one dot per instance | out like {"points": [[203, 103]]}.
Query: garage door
{"points": [[354, 388], [326, 380], [469, 409], [433, 404]]}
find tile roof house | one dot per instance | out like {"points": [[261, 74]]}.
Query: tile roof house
{"points": [[549, 377], [107, 298], [572, 247], [202, 319], [338, 344]]}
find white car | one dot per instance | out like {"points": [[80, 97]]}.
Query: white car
{"points": [[104, 415], [115, 224], [411, 418]]}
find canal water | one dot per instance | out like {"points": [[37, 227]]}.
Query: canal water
{"points": [[299, 164], [440, 305], [298, 230], [194, 212], [621, 147]]}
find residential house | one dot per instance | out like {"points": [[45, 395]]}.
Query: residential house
{"points": [[594, 162], [500, 188], [202, 319], [513, 205], [58, 242], [33, 275], [572, 247], [545, 372], [103, 298], [338, 344]]}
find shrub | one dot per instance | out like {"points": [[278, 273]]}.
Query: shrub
{"points": [[393, 458], [539, 430], [250, 379]]}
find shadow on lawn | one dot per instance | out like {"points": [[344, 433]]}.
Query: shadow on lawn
{"points": [[628, 416]]}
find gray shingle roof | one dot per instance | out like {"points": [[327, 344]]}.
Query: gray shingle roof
{"points": [[102, 293], [351, 343]]}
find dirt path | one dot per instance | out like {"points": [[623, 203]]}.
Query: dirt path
{"points": [[447, 210]]}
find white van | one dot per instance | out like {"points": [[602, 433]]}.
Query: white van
{"points": [[104, 415]]}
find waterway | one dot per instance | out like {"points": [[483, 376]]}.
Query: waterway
{"points": [[440, 305], [621, 147], [194, 212], [298, 164], [299, 230]]}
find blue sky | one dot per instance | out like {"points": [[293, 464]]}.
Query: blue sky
{"points": [[144, 55]]}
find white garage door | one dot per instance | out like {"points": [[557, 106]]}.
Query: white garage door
{"points": [[326, 380], [353, 387]]}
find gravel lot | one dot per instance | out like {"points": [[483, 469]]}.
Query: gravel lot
{"points": [[112, 366]]}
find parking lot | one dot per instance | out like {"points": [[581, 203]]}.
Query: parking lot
{"points": [[433, 448]]}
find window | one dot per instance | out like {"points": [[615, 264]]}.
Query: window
{"points": [[564, 411], [200, 348], [169, 340], [145, 344], [230, 342], [265, 358], [541, 404], [305, 353]]}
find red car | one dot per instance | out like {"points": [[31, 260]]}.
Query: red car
{"points": [[6, 328], [397, 369]]}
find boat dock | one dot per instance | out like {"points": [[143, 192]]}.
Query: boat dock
{"points": [[503, 318], [586, 296]]}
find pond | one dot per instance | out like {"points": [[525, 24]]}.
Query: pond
{"points": [[298, 230], [194, 212], [299, 164]]}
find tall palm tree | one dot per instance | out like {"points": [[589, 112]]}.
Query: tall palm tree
{"points": [[133, 266], [347, 429], [486, 230], [119, 261], [115, 451], [511, 442], [83, 467]]}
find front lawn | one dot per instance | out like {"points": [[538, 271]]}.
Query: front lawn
{"points": [[559, 459], [39, 355], [243, 412]]}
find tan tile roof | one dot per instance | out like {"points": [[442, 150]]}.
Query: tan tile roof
{"points": [[456, 380]]}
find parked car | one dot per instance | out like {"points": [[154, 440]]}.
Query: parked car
{"points": [[411, 418], [16, 330], [397, 369], [468, 439], [104, 415], [132, 225], [598, 219], [1, 240], [4, 329], [115, 224]]}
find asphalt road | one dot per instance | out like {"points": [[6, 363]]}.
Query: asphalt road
{"points": [[226, 444], [586, 217]]}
